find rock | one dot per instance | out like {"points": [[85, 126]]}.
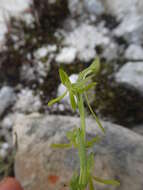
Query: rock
{"points": [[8, 121], [75, 7], [7, 98], [84, 39], [27, 73], [67, 55], [131, 28], [134, 52], [6, 136], [129, 15], [111, 52], [32, 73], [119, 154], [94, 7], [44, 51], [138, 129], [27, 102], [121, 8], [10, 8], [41, 52], [3, 153], [4, 147], [131, 74]]}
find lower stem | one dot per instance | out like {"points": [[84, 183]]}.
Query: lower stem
{"points": [[82, 144]]}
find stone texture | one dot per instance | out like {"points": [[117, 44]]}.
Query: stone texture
{"points": [[38, 166], [131, 74], [84, 38], [67, 55], [8, 8], [7, 98], [138, 129], [134, 52], [130, 16], [27, 102]]}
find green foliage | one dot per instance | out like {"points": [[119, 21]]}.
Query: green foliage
{"points": [[77, 137]]}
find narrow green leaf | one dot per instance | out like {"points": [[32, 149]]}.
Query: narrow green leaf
{"points": [[92, 69], [61, 145], [106, 181], [72, 101], [64, 77], [95, 66], [83, 74], [57, 99], [94, 115]]}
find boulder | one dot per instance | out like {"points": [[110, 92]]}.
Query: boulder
{"points": [[38, 166], [27, 102], [10, 8], [138, 129], [131, 74], [7, 98], [134, 52], [130, 16]]}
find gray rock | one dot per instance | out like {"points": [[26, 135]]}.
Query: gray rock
{"points": [[10, 8], [78, 7], [119, 154], [131, 74], [130, 15], [121, 8], [27, 102], [131, 28], [111, 52], [36, 72], [67, 55], [134, 52], [138, 129], [84, 39], [75, 7], [8, 121], [94, 7], [7, 98], [27, 73]]}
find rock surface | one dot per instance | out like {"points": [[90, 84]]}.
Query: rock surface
{"points": [[131, 74], [134, 52], [7, 98], [138, 129], [119, 154], [10, 8], [84, 38], [27, 102], [130, 16]]}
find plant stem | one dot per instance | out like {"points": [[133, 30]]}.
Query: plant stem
{"points": [[82, 143], [82, 116]]}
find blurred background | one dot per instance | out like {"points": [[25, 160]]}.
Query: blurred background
{"points": [[39, 36]]}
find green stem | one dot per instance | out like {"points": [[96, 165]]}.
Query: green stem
{"points": [[82, 116], [82, 143]]}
